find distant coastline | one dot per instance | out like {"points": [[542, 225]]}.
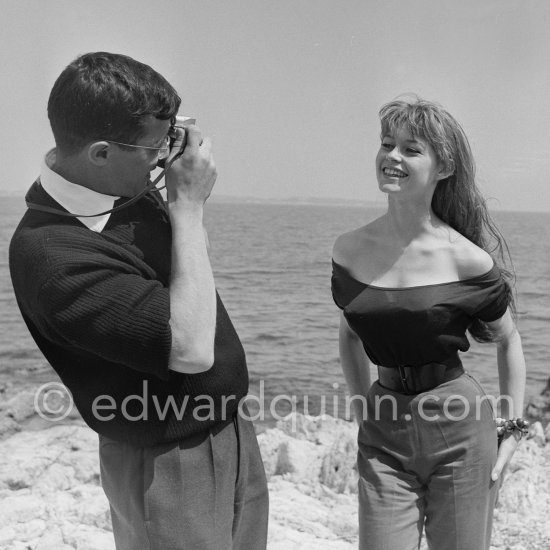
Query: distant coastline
{"points": [[335, 201], [305, 201], [314, 201]]}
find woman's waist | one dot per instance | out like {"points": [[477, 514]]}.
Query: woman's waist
{"points": [[415, 379]]}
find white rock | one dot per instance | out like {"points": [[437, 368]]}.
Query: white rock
{"points": [[84, 463], [20, 509], [55, 477], [8, 426], [338, 470], [299, 458], [14, 476], [50, 478], [62, 506], [304, 520], [84, 537], [30, 530], [7, 535], [319, 429], [536, 433], [21, 406], [270, 442], [18, 545], [93, 507], [52, 540]]}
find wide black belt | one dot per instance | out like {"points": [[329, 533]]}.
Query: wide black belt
{"points": [[412, 380]]}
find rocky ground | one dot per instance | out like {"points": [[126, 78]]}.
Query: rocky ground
{"points": [[50, 498]]}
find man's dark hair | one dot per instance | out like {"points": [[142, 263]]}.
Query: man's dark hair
{"points": [[106, 96]]}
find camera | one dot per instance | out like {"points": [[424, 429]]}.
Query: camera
{"points": [[179, 124]]}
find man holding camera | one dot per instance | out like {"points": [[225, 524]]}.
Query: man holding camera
{"points": [[116, 289]]}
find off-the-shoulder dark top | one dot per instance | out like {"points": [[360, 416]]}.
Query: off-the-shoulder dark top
{"points": [[420, 324]]}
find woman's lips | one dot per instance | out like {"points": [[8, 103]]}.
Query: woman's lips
{"points": [[393, 173]]}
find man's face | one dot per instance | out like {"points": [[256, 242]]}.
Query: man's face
{"points": [[130, 168]]}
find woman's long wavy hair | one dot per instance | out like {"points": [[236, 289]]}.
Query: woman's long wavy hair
{"points": [[456, 200]]}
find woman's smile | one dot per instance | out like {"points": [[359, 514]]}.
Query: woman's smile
{"points": [[406, 163], [393, 172]]}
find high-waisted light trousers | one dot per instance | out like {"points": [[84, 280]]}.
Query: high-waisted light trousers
{"points": [[425, 461], [207, 492]]}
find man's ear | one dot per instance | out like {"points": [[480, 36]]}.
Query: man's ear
{"points": [[99, 152]]}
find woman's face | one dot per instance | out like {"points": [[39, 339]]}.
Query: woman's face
{"points": [[407, 165]]}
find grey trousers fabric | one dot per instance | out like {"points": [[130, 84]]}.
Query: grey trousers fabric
{"points": [[208, 492], [426, 461]]}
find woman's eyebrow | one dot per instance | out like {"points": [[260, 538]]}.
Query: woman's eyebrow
{"points": [[415, 141]]}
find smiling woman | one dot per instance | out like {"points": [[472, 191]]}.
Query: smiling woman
{"points": [[410, 285], [407, 163]]}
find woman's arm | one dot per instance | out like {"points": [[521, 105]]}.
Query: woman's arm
{"points": [[511, 374], [355, 365]]}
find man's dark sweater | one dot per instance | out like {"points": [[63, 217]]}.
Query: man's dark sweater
{"points": [[98, 307]]}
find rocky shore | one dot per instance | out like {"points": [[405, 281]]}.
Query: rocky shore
{"points": [[50, 497]]}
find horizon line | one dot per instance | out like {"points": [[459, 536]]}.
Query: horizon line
{"points": [[306, 200]]}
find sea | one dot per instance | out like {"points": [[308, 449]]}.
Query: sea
{"points": [[272, 266]]}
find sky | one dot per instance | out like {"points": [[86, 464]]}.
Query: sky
{"points": [[289, 90]]}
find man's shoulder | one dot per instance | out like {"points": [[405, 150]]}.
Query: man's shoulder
{"points": [[36, 228], [47, 246], [29, 236]]}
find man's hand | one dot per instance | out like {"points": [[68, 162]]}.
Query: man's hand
{"points": [[191, 176]]}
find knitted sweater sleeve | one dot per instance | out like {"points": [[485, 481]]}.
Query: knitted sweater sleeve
{"points": [[100, 299]]}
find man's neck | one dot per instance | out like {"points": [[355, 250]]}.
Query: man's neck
{"points": [[75, 170]]}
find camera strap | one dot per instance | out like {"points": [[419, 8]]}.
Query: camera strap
{"points": [[51, 210]]}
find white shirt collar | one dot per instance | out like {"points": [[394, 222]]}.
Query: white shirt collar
{"points": [[75, 198]]}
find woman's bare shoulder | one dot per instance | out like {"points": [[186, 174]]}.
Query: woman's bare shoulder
{"points": [[349, 244], [470, 259], [343, 244]]}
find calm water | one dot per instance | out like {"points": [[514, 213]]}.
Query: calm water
{"points": [[272, 268]]}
